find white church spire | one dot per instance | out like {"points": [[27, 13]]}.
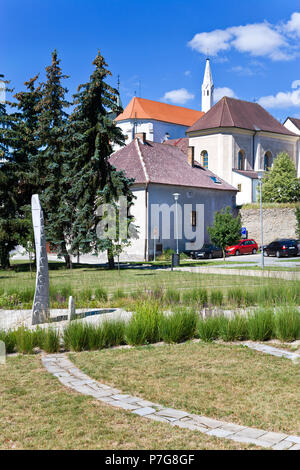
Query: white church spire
{"points": [[207, 88]]}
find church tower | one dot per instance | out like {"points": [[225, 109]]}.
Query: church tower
{"points": [[207, 88]]}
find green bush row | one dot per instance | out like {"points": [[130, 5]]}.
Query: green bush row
{"points": [[149, 325]]}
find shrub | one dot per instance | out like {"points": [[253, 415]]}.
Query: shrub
{"points": [[233, 329], [287, 324], [261, 325], [216, 297], [208, 329], [143, 327], [178, 326]]}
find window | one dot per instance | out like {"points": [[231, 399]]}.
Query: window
{"points": [[194, 218], [215, 180], [204, 159], [241, 160], [268, 160], [239, 188]]}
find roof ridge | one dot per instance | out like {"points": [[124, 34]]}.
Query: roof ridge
{"points": [[142, 160], [228, 109]]}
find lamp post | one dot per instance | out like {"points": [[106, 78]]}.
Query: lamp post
{"points": [[176, 197], [260, 176]]}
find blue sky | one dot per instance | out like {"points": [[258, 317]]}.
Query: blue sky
{"points": [[254, 46]]}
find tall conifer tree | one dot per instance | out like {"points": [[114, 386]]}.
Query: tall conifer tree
{"points": [[94, 180]]}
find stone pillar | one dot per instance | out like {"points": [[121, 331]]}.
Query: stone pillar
{"points": [[71, 310], [40, 308], [2, 353]]}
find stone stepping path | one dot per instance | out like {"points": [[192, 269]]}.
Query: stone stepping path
{"points": [[273, 351], [70, 376]]}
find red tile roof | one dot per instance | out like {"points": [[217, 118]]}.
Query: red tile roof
{"points": [[249, 173], [152, 162], [181, 143], [140, 108], [230, 112]]}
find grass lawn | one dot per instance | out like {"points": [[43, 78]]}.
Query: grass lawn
{"points": [[220, 381], [37, 412], [82, 281]]}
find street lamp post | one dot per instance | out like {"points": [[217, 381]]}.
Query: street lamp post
{"points": [[176, 197], [260, 176]]}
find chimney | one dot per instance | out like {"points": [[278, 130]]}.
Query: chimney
{"points": [[141, 136], [190, 155]]}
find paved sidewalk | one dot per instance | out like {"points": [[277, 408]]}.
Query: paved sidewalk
{"points": [[288, 275], [273, 351], [70, 376]]}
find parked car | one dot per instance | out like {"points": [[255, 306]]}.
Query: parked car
{"points": [[244, 247], [208, 251], [283, 247], [298, 245]]}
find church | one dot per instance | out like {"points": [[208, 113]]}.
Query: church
{"points": [[207, 159], [232, 138]]}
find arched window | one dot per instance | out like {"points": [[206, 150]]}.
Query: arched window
{"points": [[241, 160], [204, 159], [268, 160]]}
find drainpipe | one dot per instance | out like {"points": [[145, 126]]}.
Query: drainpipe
{"points": [[146, 223]]}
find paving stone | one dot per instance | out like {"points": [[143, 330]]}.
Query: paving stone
{"points": [[144, 411], [154, 417], [209, 422], [125, 406], [295, 439], [218, 432], [248, 440], [283, 445], [171, 413], [251, 433], [232, 427], [274, 437], [120, 397], [189, 425]]}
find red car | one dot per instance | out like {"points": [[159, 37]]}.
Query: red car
{"points": [[244, 247]]}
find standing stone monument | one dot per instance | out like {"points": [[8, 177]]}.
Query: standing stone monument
{"points": [[2, 353], [40, 308]]}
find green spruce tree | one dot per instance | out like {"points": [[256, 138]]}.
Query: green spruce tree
{"points": [[51, 163], [94, 180]]}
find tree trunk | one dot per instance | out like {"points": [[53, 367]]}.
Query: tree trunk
{"points": [[110, 258], [66, 255], [4, 258]]}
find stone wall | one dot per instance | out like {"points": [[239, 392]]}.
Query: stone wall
{"points": [[277, 222]]}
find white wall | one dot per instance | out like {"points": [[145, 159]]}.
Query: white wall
{"points": [[291, 127], [245, 195]]}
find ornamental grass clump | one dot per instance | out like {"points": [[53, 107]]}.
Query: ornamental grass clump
{"points": [[208, 328], [261, 325], [235, 296], [113, 333], [172, 296], [233, 329], [76, 336], [287, 323], [178, 326], [197, 296], [9, 338], [101, 294], [143, 327], [51, 343], [25, 340], [216, 297]]}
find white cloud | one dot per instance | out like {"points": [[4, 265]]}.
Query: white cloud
{"points": [[283, 99], [257, 39], [295, 84], [293, 26], [225, 91], [180, 96], [211, 43], [187, 73]]}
